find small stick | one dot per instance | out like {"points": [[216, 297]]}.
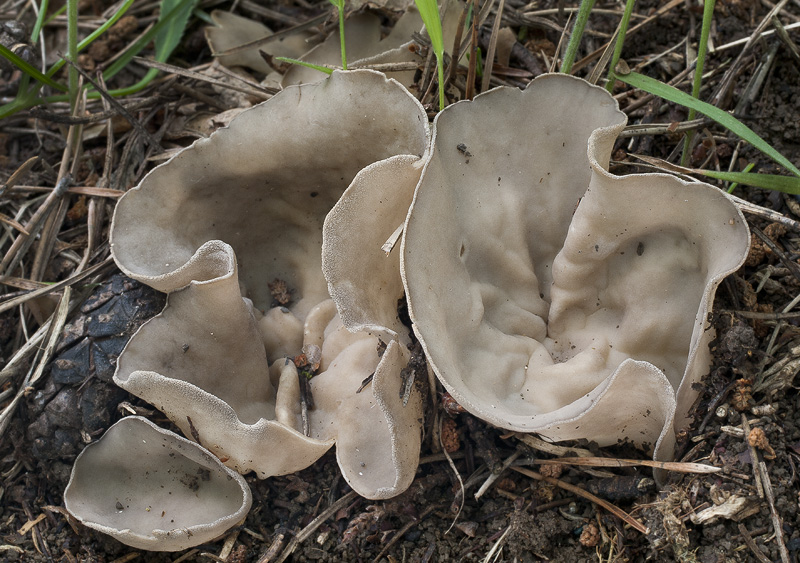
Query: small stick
{"points": [[548, 448], [253, 90], [790, 264], [79, 190], [487, 68], [135, 123], [12, 303], [766, 213], [35, 222], [624, 516], [748, 539], [598, 52], [753, 457], [306, 532], [404, 530], [679, 467], [777, 525], [495, 476], [457, 474]]}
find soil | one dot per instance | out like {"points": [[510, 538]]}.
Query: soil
{"points": [[748, 395]]}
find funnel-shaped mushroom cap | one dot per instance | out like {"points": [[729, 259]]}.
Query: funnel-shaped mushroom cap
{"points": [[264, 185], [537, 316], [152, 489], [218, 360]]}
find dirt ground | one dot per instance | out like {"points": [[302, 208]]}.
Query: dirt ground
{"points": [[749, 394]]}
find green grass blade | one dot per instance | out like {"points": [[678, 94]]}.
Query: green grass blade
{"points": [[94, 35], [733, 185], [324, 69], [72, 50], [340, 9], [577, 33], [623, 30], [170, 35], [37, 27], [672, 94], [785, 184], [702, 49], [179, 9], [429, 12], [29, 69]]}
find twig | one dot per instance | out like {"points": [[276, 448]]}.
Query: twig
{"points": [[748, 539], [678, 467], [763, 316], [746, 39], [262, 92], [726, 83], [753, 457], [618, 512], [598, 52], [498, 544], [451, 69], [32, 226], [495, 476], [548, 448], [487, 68], [457, 474], [75, 278], [40, 113], [78, 190], [135, 123], [53, 332], [785, 39], [662, 128], [777, 525], [404, 530], [765, 213], [18, 174], [314, 524], [790, 264]]}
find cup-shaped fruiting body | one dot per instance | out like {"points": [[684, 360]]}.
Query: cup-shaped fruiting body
{"points": [[230, 31], [232, 228], [152, 489], [367, 45], [549, 295]]}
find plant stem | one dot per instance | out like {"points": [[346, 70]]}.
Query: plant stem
{"points": [[577, 33], [702, 49], [747, 169], [440, 68], [40, 17], [623, 29], [340, 6], [72, 49]]}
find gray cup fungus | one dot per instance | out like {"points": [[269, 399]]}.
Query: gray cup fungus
{"points": [[549, 295], [152, 489], [219, 223]]}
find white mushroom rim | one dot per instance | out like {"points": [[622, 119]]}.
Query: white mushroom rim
{"points": [[152, 489]]}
